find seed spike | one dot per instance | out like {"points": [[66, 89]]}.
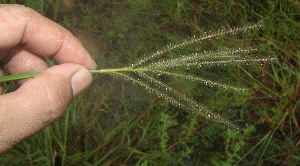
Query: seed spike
{"points": [[191, 105], [192, 40], [182, 59], [203, 81]]}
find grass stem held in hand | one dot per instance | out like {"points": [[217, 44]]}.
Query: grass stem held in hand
{"points": [[18, 76], [33, 74], [146, 72]]}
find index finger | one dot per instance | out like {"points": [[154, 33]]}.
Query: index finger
{"points": [[20, 25]]}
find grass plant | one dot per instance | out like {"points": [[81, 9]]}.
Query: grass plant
{"points": [[119, 123]]}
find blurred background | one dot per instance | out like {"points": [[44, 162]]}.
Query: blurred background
{"points": [[118, 123]]}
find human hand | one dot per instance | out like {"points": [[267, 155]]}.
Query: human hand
{"points": [[26, 37]]}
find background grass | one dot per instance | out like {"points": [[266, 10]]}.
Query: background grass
{"points": [[115, 122]]}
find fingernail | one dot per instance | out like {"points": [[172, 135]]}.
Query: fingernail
{"points": [[80, 81]]}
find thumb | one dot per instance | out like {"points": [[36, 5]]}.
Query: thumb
{"points": [[39, 102]]}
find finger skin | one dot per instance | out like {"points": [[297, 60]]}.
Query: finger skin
{"points": [[43, 99], [23, 61], [36, 104], [23, 26]]}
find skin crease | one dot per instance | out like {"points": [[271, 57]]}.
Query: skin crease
{"points": [[26, 37]]}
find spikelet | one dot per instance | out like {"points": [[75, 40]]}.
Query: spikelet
{"points": [[228, 62], [203, 81], [211, 56], [194, 39]]}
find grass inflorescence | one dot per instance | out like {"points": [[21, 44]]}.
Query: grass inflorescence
{"points": [[145, 69]]}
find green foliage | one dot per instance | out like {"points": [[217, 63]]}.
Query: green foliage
{"points": [[166, 123], [8, 1]]}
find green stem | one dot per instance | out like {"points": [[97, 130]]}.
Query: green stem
{"points": [[125, 69], [18, 76], [33, 74]]}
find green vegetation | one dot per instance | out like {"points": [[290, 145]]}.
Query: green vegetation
{"points": [[117, 122]]}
